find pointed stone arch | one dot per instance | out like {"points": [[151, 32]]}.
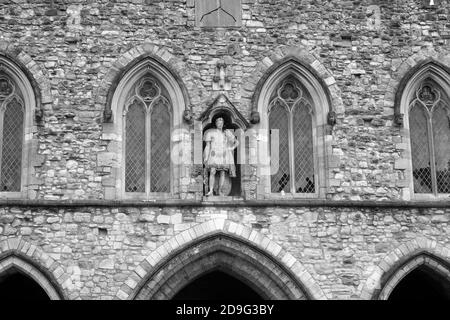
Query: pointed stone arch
{"points": [[39, 82], [224, 245], [437, 265], [403, 70], [288, 57], [173, 75], [36, 264], [422, 67], [321, 86], [402, 260], [160, 58], [35, 91]]}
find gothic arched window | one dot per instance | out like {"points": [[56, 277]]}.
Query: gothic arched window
{"points": [[429, 124], [290, 112], [12, 112], [147, 138]]}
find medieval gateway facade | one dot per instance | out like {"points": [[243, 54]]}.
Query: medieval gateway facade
{"points": [[333, 118]]}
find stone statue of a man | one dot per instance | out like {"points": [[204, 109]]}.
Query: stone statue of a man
{"points": [[218, 154]]}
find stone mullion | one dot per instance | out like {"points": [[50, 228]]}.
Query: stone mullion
{"points": [[171, 165], [24, 163], [291, 150], [315, 150], [2, 114], [432, 154], [148, 159]]}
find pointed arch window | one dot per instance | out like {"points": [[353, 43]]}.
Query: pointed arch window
{"points": [[291, 113], [12, 112], [429, 123], [147, 138]]}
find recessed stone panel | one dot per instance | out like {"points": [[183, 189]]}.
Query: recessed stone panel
{"points": [[218, 13]]}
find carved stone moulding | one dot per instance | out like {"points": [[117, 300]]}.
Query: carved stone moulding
{"points": [[398, 119], [222, 105], [6, 87]]}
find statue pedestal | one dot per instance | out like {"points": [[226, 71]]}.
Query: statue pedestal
{"points": [[222, 198], [226, 189]]}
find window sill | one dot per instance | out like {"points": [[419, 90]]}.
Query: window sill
{"points": [[149, 197], [443, 203], [12, 195], [430, 197], [291, 196]]}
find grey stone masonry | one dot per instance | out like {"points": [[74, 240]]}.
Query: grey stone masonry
{"points": [[75, 232], [337, 253]]}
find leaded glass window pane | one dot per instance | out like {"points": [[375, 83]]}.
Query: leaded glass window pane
{"points": [[441, 133], [279, 119], [420, 149], [135, 148], [160, 148], [11, 165], [303, 149]]}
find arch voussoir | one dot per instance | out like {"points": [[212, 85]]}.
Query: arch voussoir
{"points": [[400, 262], [34, 262], [223, 244]]}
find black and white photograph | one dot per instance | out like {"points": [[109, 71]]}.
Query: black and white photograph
{"points": [[224, 155]]}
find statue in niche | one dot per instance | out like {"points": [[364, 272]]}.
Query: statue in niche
{"points": [[218, 155]]}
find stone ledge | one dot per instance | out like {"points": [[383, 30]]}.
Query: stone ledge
{"points": [[444, 203]]}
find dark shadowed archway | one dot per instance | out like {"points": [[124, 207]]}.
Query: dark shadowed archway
{"points": [[217, 285], [15, 285], [220, 245], [423, 283], [422, 277], [234, 259], [23, 279]]}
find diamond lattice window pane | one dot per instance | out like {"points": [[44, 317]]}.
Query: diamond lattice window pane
{"points": [[441, 132], [160, 148], [12, 147], [135, 148], [420, 149], [303, 150], [278, 119]]}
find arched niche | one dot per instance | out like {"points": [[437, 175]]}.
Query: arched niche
{"points": [[233, 121]]}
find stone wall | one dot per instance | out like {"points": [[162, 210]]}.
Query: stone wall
{"points": [[100, 248], [74, 52], [360, 48]]}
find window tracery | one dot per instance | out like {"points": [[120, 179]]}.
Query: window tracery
{"points": [[11, 139], [147, 142], [290, 112], [429, 121]]}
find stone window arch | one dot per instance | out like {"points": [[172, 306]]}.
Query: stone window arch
{"points": [[147, 107], [293, 100], [291, 113], [426, 107], [17, 105]]}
